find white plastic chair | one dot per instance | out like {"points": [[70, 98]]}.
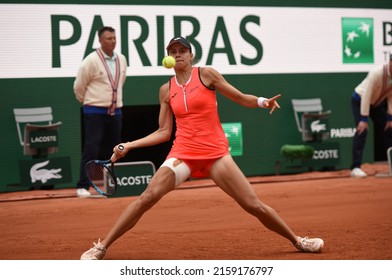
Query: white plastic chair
{"points": [[29, 118], [303, 108]]}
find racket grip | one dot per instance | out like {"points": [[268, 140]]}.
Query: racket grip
{"points": [[114, 157]]}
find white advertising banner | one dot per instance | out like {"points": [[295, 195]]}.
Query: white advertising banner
{"points": [[40, 40]]}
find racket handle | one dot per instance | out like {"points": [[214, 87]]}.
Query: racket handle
{"points": [[114, 157]]}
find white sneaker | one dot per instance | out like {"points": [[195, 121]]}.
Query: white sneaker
{"points": [[95, 253], [81, 192], [311, 245], [358, 173]]}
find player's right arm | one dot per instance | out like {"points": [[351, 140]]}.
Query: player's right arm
{"points": [[164, 131]]}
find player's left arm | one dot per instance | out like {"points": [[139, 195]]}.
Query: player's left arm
{"points": [[214, 79]]}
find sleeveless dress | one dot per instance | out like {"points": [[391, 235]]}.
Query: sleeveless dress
{"points": [[199, 133]]}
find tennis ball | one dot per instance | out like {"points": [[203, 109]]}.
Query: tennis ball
{"points": [[168, 62]]}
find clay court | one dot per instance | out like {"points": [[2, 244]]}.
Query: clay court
{"points": [[200, 222]]}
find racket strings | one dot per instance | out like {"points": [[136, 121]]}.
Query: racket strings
{"points": [[101, 177]]}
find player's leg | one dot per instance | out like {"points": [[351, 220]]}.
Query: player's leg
{"points": [[167, 177], [230, 178], [227, 175], [161, 183]]}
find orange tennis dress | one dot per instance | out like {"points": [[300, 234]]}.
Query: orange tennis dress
{"points": [[199, 133]]}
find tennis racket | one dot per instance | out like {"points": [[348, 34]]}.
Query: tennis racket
{"points": [[101, 176]]}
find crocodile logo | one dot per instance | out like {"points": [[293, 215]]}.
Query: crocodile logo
{"points": [[43, 175], [317, 127]]}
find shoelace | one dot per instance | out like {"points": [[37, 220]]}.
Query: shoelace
{"points": [[98, 247], [306, 242]]}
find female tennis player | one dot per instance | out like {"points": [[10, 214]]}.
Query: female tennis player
{"points": [[200, 149]]}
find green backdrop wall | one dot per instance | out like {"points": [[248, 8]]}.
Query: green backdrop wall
{"points": [[263, 134]]}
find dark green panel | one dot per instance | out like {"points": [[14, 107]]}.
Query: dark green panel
{"points": [[58, 94], [263, 134]]}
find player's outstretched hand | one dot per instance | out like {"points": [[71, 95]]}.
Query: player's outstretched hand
{"points": [[272, 103]]}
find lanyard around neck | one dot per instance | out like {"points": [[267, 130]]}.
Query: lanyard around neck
{"points": [[113, 82]]}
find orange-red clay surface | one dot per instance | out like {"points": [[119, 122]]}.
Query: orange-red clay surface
{"points": [[199, 221]]}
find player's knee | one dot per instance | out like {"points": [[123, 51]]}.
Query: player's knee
{"points": [[255, 207], [251, 207], [148, 199]]}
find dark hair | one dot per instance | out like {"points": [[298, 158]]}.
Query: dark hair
{"points": [[105, 28]]}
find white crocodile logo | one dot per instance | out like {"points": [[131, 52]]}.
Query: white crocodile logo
{"points": [[43, 175], [317, 127]]}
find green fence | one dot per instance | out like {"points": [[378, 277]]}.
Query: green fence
{"points": [[262, 134]]}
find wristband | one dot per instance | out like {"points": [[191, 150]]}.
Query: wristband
{"points": [[260, 101], [389, 117], [364, 118]]}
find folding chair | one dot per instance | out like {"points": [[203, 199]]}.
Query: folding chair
{"points": [[30, 119], [310, 110]]}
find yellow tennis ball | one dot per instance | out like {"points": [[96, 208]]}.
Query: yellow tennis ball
{"points": [[168, 62]]}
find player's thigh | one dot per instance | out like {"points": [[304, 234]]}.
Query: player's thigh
{"points": [[161, 183], [229, 177]]}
